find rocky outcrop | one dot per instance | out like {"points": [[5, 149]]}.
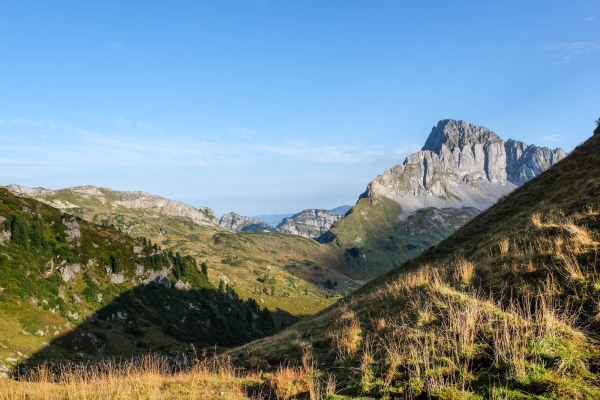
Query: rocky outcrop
{"points": [[462, 165], [310, 223], [115, 199], [239, 223], [27, 191], [73, 229]]}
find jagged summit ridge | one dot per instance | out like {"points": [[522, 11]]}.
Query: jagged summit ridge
{"points": [[461, 134], [239, 223], [460, 165]]}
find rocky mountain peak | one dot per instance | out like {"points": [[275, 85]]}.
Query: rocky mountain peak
{"points": [[310, 223], [462, 165], [239, 223], [452, 133]]}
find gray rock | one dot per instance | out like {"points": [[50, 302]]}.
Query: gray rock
{"points": [[462, 165], [117, 279], [239, 223], [68, 272], [73, 229], [5, 236], [309, 223]]}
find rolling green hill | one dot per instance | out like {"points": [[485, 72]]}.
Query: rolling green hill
{"points": [[374, 237], [94, 292], [282, 272], [505, 308]]}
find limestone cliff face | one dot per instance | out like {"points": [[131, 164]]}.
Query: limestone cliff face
{"points": [[239, 223], [114, 199], [462, 165], [309, 223]]}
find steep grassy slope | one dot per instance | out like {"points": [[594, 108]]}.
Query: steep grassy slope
{"points": [[95, 292], [506, 307], [283, 272], [373, 237]]}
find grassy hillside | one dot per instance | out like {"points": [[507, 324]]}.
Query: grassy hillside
{"points": [[288, 274], [506, 307], [74, 290], [373, 238]]}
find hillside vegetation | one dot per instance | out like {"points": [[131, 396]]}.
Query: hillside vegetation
{"points": [[282, 272], [72, 290], [374, 237], [506, 307]]}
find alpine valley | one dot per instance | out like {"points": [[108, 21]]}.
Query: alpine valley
{"points": [[90, 272]]}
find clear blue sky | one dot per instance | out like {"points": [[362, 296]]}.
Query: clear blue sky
{"points": [[273, 106]]}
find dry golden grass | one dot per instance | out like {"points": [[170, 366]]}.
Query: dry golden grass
{"points": [[439, 357], [347, 335], [444, 324], [146, 377], [504, 246], [289, 381], [155, 377], [464, 271], [591, 210]]}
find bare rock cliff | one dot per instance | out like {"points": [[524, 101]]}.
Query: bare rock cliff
{"points": [[309, 223], [462, 165]]}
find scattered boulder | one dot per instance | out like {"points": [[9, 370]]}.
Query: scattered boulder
{"points": [[68, 272], [117, 278]]}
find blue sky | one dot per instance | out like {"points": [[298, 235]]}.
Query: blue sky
{"points": [[273, 106]]}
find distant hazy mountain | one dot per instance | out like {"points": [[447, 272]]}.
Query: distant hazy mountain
{"points": [[341, 209], [276, 219], [310, 223], [272, 219], [238, 223]]}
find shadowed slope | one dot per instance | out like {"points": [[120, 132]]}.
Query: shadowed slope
{"points": [[72, 290]]}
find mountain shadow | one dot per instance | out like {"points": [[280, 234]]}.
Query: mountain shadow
{"points": [[71, 290], [161, 319]]}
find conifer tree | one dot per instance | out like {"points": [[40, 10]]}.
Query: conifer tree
{"points": [[19, 231]]}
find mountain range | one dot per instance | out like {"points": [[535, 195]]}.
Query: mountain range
{"points": [[461, 170], [310, 223], [504, 307]]}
